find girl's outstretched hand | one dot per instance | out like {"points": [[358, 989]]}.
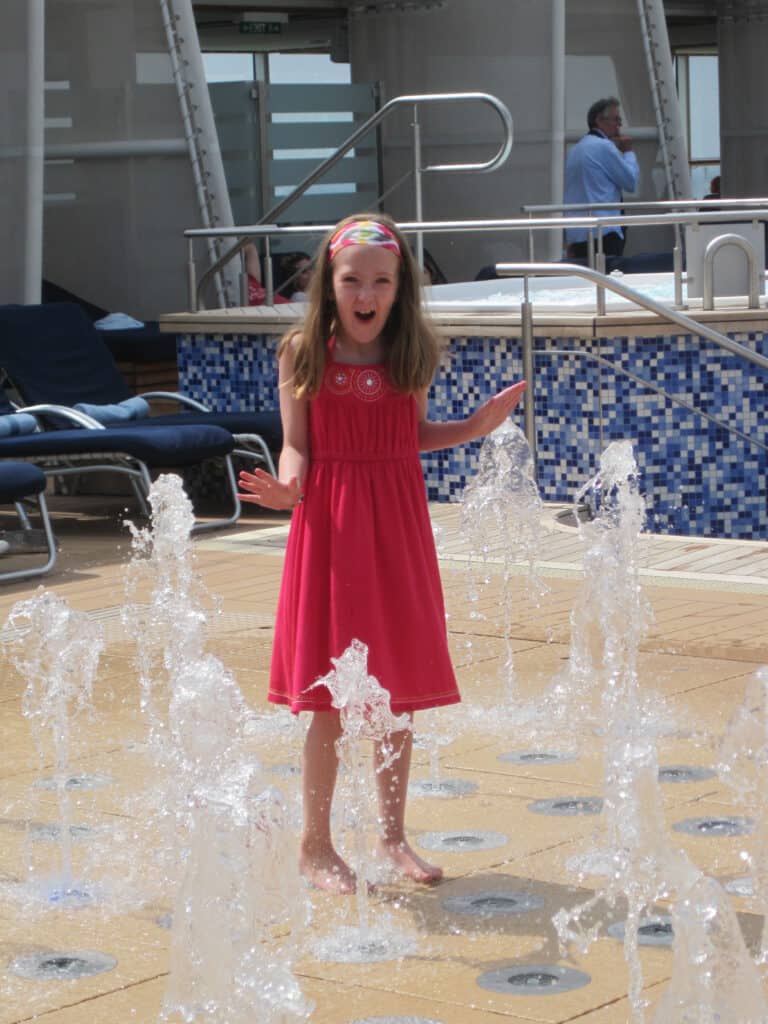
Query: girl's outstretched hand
{"points": [[264, 489], [492, 413]]}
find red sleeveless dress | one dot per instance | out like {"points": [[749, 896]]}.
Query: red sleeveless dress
{"points": [[360, 562]]}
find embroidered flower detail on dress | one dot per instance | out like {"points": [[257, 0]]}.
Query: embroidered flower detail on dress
{"points": [[366, 382], [338, 380], [369, 384]]}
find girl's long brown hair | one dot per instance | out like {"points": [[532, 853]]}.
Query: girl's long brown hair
{"points": [[411, 346]]}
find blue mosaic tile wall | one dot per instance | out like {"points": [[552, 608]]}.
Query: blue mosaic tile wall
{"points": [[229, 373], [697, 478]]}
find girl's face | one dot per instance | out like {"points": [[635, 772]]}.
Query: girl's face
{"points": [[365, 281]]}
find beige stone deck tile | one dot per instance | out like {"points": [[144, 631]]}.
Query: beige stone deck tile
{"points": [[136, 945], [504, 813], [336, 1003], [452, 965], [715, 855], [620, 1011], [139, 1003]]}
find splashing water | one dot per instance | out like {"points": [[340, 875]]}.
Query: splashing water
{"points": [[227, 830], [501, 526], [610, 614], [438, 728], [641, 865], [713, 981], [57, 650], [365, 716], [744, 766]]}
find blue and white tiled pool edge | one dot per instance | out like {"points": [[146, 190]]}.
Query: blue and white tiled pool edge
{"points": [[698, 479]]}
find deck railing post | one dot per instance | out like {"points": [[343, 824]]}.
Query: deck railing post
{"points": [[243, 279], [269, 277], [529, 370], [191, 275], [417, 182], [677, 268], [600, 268]]}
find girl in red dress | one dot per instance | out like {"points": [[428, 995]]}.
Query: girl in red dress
{"points": [[361, 562]]}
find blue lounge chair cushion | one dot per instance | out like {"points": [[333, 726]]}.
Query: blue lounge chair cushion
{"points": [[55, 355], [157, 446], [134, 408], [20, 480], [266, 424], [15, 423], [58, 356]]}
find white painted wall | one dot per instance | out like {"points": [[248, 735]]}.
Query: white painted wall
{"points": [[113, 223]]}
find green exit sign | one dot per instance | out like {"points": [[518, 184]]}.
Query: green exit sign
{"points": [[260, 28]]}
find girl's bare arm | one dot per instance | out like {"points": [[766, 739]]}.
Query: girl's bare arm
{"points": [[284, 492]]}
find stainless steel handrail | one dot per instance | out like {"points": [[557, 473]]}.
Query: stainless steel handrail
{"points": [[652, 204], [708, 284], [527, 270], [733, 206], [244, 232], [437, 227], [417, 99], [612, 285]]}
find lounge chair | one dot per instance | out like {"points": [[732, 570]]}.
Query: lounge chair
{"points": [[20, 481], [85, 445], [54, 355]]}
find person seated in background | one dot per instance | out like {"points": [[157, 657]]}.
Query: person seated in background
{"points": [[599, 169], [257, 293], [295, 271], [431, 273], [714, 188]]}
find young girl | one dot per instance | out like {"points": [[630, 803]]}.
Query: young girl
{"points": [[361, 561]]}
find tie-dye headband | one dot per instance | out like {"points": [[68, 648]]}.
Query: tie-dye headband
{"points": [[363, 232]]}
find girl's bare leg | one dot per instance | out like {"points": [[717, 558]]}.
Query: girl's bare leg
{"points": [[318, 860], [392, 785]]}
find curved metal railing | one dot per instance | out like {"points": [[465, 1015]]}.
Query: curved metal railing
{"points": [[713, 248], [527, 270], [384, 112]]}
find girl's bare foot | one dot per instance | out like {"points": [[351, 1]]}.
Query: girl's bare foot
{"points": [[407, 863], [327, 871]]}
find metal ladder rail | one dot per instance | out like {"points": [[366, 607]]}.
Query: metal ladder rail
{"points": [[673, 399], [372, 122], [528, 270], [712, 249], [197, 119], [664, 95]]}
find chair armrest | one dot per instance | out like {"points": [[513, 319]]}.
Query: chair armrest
{"points": [[178, 397], [81, 419]]}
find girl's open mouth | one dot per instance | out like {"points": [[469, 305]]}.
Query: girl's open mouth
{"points": [[365, 317]]}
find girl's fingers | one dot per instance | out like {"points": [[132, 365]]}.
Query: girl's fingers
{"points": [[250, 478], [509, 397], [513, 392], [264, 489]]}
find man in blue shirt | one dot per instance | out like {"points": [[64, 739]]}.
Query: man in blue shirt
{"points": [[600, 167]]}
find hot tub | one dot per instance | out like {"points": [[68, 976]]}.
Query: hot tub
{"points": [[549, 295]]}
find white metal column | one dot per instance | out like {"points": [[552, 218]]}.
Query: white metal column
{"points": [[557, 169], [35, 144], [200, 131], [672, 138]]}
